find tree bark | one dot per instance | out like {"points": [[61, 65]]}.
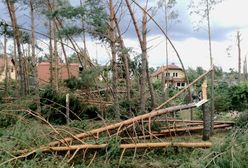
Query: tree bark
{"points": [[245, 70], [143, 61], [6, 69], [125, 58], [239, 56], [11, 10], [66, 58], [132, 146], [51, 52], [144, 54], [34, 60], [212, 73], [206, 124], [114, 64], [56, 56]]}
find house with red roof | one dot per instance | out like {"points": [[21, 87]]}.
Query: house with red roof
{"points": [[172, 74]]}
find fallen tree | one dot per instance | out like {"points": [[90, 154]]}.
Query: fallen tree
{"points": [[126, 146], [118, 125], [170, 132]]}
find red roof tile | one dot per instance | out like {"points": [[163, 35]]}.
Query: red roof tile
{"points": [[164, 68]]}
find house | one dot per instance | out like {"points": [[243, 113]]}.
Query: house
{"points": [[3, 68], [173, 76], [43, 70]]}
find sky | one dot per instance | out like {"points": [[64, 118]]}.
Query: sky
{"points": [[226, 19]]}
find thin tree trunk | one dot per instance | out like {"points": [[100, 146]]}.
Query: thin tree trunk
{"points": [[245, 70], [144, 54], [213, 71], [206, 116], [36, 81], [143, 61], [16, 71], [125, 59], [6, 69], [166, 50], [11, 10], [83, 26], [114, 65], [55, 56], [51, 54], [66, 59], [239, 56]]}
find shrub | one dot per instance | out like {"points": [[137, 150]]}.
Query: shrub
{"points": [[230, 153], [239, 96], [53, 107], [222, 97], [242, 121]]}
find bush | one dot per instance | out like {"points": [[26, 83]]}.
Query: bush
{"points": [[242, 121], [6, 120], [88, 78], [231, 97], [53, 107], [230, 153], [239, 96], [222, 97]]}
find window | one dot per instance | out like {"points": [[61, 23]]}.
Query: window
{"points": [[178, 84], [175, 74], [12, 69], [167, 74], [183, 84]]}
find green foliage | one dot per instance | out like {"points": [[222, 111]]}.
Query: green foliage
{"points": [[72, 83], [53, 107], [112, 149], [69, 31], [78, 124], [193, 74], [87, 79], [242, 120], [231, 153], [6, 120], [92, 13], [234, 97], [157, 85], [239, 96], [222, 97]]}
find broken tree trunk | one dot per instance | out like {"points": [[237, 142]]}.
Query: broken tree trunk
{"points": [[123, 123]]}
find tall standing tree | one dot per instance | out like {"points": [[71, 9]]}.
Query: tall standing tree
{"points": [[125, 57], [145, 55], [169, 15], [203, 8], [34, 58], [142, 37], [12, 13], [245, 69], [239, 56], [6, 69], [112, 38]]}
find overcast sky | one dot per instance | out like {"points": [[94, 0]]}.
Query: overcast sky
{"points": [[192, 45]]}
